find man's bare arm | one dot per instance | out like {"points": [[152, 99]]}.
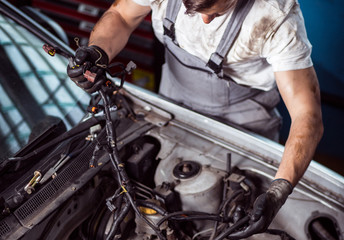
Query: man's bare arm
{"points": [[301, 94], [112, 31]]}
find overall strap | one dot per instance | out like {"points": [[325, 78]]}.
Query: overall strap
{"points": [[172, 10], [240, 12]]}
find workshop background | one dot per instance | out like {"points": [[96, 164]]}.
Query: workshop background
{"points": [[323, 18]]}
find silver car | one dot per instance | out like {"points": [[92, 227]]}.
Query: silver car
{"points": [[134, 166]]}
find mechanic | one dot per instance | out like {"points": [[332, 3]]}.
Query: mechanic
{"points": [[230, 59]]}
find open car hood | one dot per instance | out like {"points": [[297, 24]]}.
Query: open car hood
{"points": [[177, 160]]}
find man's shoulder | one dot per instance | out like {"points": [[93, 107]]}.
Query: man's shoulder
{"points": [[281, 6], [264, 19], [269, 14]]}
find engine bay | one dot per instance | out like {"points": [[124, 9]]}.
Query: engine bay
{"points": [[185, 184], [138, 166]]}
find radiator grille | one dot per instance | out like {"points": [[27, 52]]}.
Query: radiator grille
{"points": [[35, 202], [41, 199], [4, 228]]}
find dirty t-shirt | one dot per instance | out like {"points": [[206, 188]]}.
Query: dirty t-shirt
{"points": [[273, 38]]}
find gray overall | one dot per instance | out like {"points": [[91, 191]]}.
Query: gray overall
{"points": [[201, 86]]}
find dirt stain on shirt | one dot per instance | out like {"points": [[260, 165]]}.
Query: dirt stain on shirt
{"points": [[259, 32]]}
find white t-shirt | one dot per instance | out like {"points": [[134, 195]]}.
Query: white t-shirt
{"points": [[272, 38]]}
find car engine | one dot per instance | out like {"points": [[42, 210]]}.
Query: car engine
{"points": [[183, 183]]}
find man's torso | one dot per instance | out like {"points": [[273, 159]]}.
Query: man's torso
{"points": [[272, 38]]}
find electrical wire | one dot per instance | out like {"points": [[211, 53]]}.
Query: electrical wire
{"points": [[118, 221], [119, 165], [190, 215], [232, 228], [222, 207]]}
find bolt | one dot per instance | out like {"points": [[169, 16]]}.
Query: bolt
{"points": [[148, 108]]}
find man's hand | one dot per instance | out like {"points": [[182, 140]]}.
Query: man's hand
{"points": [[265, 208], [107, 39], [89, 70]]}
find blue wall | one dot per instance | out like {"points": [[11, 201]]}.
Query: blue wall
{"points": [[324, 21]]}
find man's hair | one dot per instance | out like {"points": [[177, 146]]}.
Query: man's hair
{"points": [[193, 6]]}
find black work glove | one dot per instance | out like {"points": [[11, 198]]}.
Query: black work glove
{"points": [[88, 69], [265, 208]]}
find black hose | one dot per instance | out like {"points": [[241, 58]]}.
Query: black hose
{"points": [[198, 215], [228, 200], [232, 228], [81, 146], [25, 21], [223, 204], [118, 205], [118, 220]]}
